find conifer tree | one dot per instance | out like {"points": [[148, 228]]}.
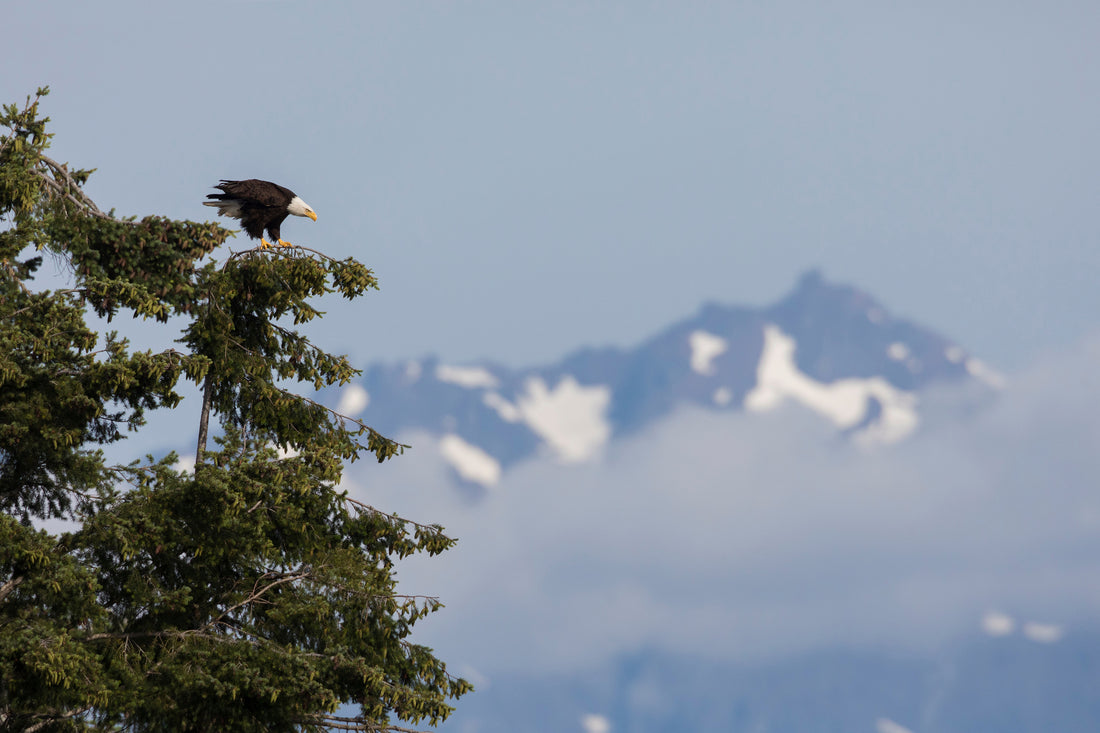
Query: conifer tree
{"points": [[251, 594]]}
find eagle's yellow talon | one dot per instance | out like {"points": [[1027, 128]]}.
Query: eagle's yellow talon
{"points": [[284, 243], [264, 244]]}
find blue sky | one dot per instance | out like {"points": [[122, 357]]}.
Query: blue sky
{"points": [[528, 178]]}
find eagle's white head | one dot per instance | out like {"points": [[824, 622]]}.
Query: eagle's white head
{"points": [[301, 208]]}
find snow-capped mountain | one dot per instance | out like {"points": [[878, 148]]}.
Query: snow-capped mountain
{"points": [[831, 348], [723, 552]]}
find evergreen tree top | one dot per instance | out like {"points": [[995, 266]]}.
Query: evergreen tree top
{"points": [[250, 594]]}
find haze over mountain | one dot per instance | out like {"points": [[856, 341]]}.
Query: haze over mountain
{"points": [[792, 518]]}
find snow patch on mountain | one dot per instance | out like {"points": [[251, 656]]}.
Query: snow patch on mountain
{"points": [[898, 351], [468, 377], [845, 402], [705, 348], [996, 623], [571, 418], [593, 723], [899, 414], [1043, 633], [885, 725], [980, 370], [470, 462], [507, 411], [353, 400]]}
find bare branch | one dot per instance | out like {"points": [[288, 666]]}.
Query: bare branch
{"points": [[204, 418], [127, 635], [335, 721], [10, 269], [256, 595], [85, 205], [80, 198], [258, 249], [9, 586]]}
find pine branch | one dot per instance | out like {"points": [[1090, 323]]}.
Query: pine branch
{"points": [[369, 508], [71, 190], [366, 428], [27, 110], [55, 718], [24, 309]]}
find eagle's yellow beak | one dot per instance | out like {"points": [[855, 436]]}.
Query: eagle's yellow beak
{"points": [[311, 215]]}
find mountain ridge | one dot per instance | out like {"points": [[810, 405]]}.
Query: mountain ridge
{"points": [[830, 347]]}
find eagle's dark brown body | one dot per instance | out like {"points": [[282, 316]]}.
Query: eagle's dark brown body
{"points": [[260, 205]]}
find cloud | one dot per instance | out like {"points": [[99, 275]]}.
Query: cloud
{"points": [[746, 536]]}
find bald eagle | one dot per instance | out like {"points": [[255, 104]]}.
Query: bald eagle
{"points": [[259, 205]]}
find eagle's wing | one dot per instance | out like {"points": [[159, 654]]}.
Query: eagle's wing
{"points": [[257, 193]]}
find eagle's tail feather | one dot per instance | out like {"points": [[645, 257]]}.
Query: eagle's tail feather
{"points": [[226, 208]]}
